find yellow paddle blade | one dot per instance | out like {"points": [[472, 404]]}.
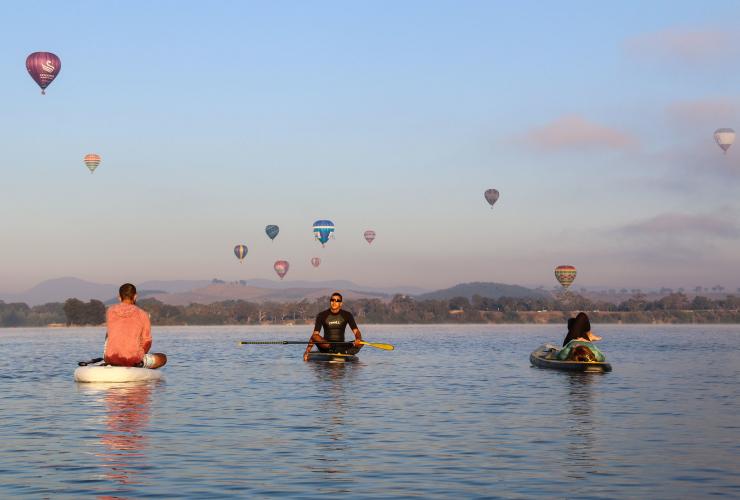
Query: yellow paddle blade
{"points": [[385, 347]]}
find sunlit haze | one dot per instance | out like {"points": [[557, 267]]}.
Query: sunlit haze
{"points": [[214, 119]]}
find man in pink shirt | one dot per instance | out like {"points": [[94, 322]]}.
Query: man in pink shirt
{"points": [[129, 336]]}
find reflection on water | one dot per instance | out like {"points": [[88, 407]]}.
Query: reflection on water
{"points": [[580, 428], [124, 438], [336, 382]]}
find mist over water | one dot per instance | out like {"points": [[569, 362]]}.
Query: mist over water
{"points": [[454, 410]]}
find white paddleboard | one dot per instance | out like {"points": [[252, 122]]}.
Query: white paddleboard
{"points": [[115, 374]]}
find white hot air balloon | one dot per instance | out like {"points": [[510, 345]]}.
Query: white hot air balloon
{"points": [[724, 137]]}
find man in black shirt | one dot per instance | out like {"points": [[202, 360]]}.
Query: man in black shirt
{"points": [[334, 321]]}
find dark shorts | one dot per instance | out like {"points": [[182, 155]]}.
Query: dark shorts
{"points": [[343, 348]]}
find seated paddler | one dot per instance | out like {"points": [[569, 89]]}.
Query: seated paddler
{"points": [[129, 333], [334, 322], [577, 344]]}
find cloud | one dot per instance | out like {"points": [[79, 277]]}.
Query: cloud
{"points": [[695, 47], [721, 225], [575, 132], [703, 113]]}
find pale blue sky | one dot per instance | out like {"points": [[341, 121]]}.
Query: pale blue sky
{"points": [[215, 119]]}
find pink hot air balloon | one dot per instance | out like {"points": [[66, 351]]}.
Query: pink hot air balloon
{"points": [[369, 235], [43, 68], [315, 262], [281, 268]]}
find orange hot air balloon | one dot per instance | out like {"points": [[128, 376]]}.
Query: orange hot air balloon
{"points": [[565, 275], [281, 268], [92, 161]]}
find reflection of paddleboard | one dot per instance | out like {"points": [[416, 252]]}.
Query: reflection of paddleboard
{"points": [[545, 356], [115, 374], [329, 357]]}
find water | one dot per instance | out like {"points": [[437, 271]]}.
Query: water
{"points": [[453, 411]]}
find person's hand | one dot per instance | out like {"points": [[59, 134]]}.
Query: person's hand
{"points": [[357, 343], [305, 356]]}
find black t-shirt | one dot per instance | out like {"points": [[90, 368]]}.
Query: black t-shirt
{"points": [[334, 324]]}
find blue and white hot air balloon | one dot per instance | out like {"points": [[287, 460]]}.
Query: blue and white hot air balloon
{"points": [[322, 230], [272, 231]]}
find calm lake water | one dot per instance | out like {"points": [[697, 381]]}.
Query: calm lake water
{"points": [[453, 411]]}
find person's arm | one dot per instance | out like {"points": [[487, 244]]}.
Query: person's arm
{"points": [[146, 335], [315, 335], [592, 337], [353, 326], [314, 338]]}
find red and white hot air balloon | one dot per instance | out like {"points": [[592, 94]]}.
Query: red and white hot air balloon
{"points": [[281, 268], [316, 262], [369, 235]]}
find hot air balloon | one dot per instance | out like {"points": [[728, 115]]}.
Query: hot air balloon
{"points": [[240, 251], [565, 275], [43, 68], [316, 262], [322, 229], [724, 137], [491, 196], [272, 231], [92, 161], [281, 268], [369, 235]]}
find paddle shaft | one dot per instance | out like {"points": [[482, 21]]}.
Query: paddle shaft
{"points": [[386, 347]]}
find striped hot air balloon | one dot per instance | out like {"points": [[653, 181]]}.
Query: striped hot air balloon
{"points": [[369, 235], [240, 251], [281, 268], [316, 262], [322, 229], [565, 275], [92, 161]]}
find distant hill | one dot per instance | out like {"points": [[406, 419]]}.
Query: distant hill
{"points": [[199, 291], [489, 290], [220, 292]]}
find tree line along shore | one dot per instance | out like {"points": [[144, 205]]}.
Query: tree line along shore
{"points": [[401, 309]]}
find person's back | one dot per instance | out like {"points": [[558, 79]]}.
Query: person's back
{"points": [[129, 335]]}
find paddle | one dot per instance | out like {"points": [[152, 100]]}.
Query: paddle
{"points": [[385, 347], [91, 362]]}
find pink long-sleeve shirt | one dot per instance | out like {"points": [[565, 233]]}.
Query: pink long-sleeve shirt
{"points": [[129, 335]]}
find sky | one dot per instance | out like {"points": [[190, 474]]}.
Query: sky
{"points": [[594, 120]]}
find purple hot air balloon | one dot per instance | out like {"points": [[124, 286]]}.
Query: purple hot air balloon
{"points": [[43, 68]]}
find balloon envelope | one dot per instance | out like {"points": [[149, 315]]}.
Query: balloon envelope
{"points": [[724, 138], [565, 275], [272, 231], [92, 161], [43, 68], [316, 262], [322, 229], [281, 268], [240, 251], [491, 196], [369, 235]]}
